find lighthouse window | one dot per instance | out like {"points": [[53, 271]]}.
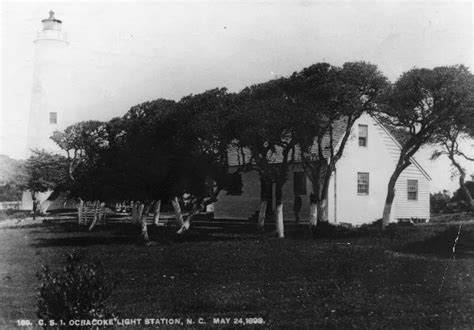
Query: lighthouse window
{"points": [[53, 117]]}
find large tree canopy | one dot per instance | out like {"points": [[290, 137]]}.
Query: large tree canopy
{"points": [[329, 100], [424, 103], [167, 150], [44, 171], [266, 118]]}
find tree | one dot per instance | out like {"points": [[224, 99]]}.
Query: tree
{"points": [[421, 102], [460, 197], [140, 162], [265, 121], [81, 142], [205, 134], [448, 137], [11, 176], [44, 172], [329, 101], [439, 202]]}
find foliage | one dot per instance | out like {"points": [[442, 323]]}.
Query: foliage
{"points": [[157, 150], [206, 135], [79, 291], [142, 154], [83, 142], [10, 192], [442, 202], [423, 102], [329, 100], [459, 195], [44, 171], [164, 149], [11, 175], [439, 202], [265, 125]]}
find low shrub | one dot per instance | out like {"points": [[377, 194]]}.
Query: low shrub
{"points": [[13, 214], [79, 291], [328, 230]]}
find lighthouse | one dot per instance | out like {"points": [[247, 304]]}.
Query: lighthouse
{"points": [[51, 107], [50, 101]]}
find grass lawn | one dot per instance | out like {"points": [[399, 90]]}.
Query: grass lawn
{"points": [[362, 279]]}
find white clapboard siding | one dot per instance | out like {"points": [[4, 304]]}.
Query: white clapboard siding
{"points": [[378, 159], [404, 208]]}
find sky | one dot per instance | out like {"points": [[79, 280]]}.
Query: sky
{"points": [[124, 53]]}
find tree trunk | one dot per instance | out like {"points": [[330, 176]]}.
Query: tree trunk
{"points": [[156, 212], [468, 197], [322, 201], [80, 210], [467, 194], [35, 204], [177, 211], [144, 227], [280, 228], [389, 199], [135, 216], [140, 209], [322, 210], [262, 214], [313, 216], [187, 223], [462, 185], [96, 215]]}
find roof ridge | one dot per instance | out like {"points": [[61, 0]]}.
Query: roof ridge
{"points": [[412, 159]]}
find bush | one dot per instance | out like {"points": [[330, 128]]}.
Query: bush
{"points": [[328, 230], [13, 214], [78, 292], [439, 202]]}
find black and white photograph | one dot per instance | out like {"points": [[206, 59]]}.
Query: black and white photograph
{"points": [[237, 164]]}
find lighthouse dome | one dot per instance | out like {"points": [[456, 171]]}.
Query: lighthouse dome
{"points": [[51, 29]]}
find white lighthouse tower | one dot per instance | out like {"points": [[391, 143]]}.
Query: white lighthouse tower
{"points": [[51, 86], [51, 106]]}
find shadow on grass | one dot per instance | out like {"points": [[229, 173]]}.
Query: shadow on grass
{"points": [[85, 241], [435, 240], [125, 234], [441, 243]]}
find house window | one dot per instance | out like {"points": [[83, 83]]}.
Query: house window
{"points": [[412, 189], [299, 183], [362, 183], [363, 129], [53, 117]]}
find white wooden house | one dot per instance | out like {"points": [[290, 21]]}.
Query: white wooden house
{"points": [[357, 189]]}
